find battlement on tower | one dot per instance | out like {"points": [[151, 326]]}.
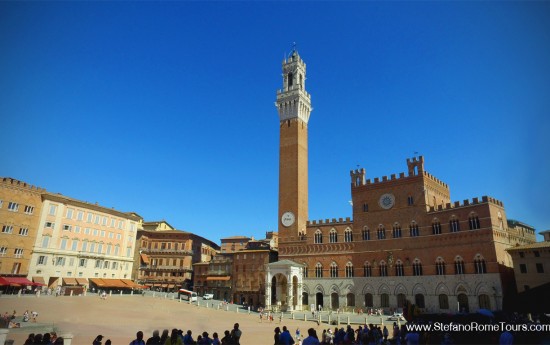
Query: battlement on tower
{"points": [[416, 168], [8, 181], [329, 221], [467, 202]]}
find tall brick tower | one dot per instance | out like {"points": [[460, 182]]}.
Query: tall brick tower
{"points": [[294, 106]]}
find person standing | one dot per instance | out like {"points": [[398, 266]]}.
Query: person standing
{"points": [[277, 336], [97, 340], [155, 339], [138, 340], [286, 338], [312, 338], [174, 338], [236, 334]]}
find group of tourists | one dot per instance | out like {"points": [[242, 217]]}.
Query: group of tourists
{"points": [[177, 337], [50, 338], [367, 335]]}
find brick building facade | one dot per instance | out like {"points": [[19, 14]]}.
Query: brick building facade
{"points": [[407, 244]]}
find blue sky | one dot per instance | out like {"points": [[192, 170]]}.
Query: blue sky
{"points": [[167, 108]]}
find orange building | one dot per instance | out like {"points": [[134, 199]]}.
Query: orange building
{"points": [[166, 256], [20, 207]]}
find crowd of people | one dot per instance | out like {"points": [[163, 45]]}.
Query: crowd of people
{"points": [[178, 337], [50, 338]]}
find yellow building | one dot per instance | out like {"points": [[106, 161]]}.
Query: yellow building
{"points": [[77, 241]]}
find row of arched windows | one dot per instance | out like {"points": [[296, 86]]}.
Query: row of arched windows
{"points": [[381, 269], [396, 232], [419, 300]]}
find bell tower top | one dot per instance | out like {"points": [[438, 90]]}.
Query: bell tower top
{"points": [[293, 101]]}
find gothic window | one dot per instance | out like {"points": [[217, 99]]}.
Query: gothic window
{"points": [[436, 227], [349, 270], [333, 270], [396, 231], [385, 300], [365, 234], [399, 271], [443, 301], [365, 205], [413, 228], [348, 235], [290, 79], [401, 300], [479, 264], [454, 225], [368, 300], [419, 300], [381, 232], [473, 221], [440, 267], [305, 271], [410, 200], [383, 269], [367, 269], [459, 265], [333, 236], [484, 302], [318, 237], [417, 268], [318, 270]]}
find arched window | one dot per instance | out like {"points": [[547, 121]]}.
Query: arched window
{"points": [[318, 237], [367, 269], [443, 301], [413, 229], [333, 236], [383, 269], [459, 265], [399, 271], [384, 300], [350, 299], [410, 200], [401, 300], [349, 270], [419, 300], [439, 267], [396, 231], [484, 302], [454, 225], [348, 235], [333, 270], [436, 227], [305, 271], [381, 232], [318, 270], [368, 300], [290, 79], [417, 268], [479, 264], [473, 221], [365, 234]]}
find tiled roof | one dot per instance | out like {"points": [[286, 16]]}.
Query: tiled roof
{"points": [[536, 245]]}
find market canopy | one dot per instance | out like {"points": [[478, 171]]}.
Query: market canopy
{"points": [[69, 281], [15, 281], [38, 281]]}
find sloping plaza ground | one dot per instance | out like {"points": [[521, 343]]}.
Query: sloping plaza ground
{"points": [[119, 318]]}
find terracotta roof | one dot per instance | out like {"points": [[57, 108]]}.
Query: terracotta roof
{"points": [[536, 245], [236, 237]]}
